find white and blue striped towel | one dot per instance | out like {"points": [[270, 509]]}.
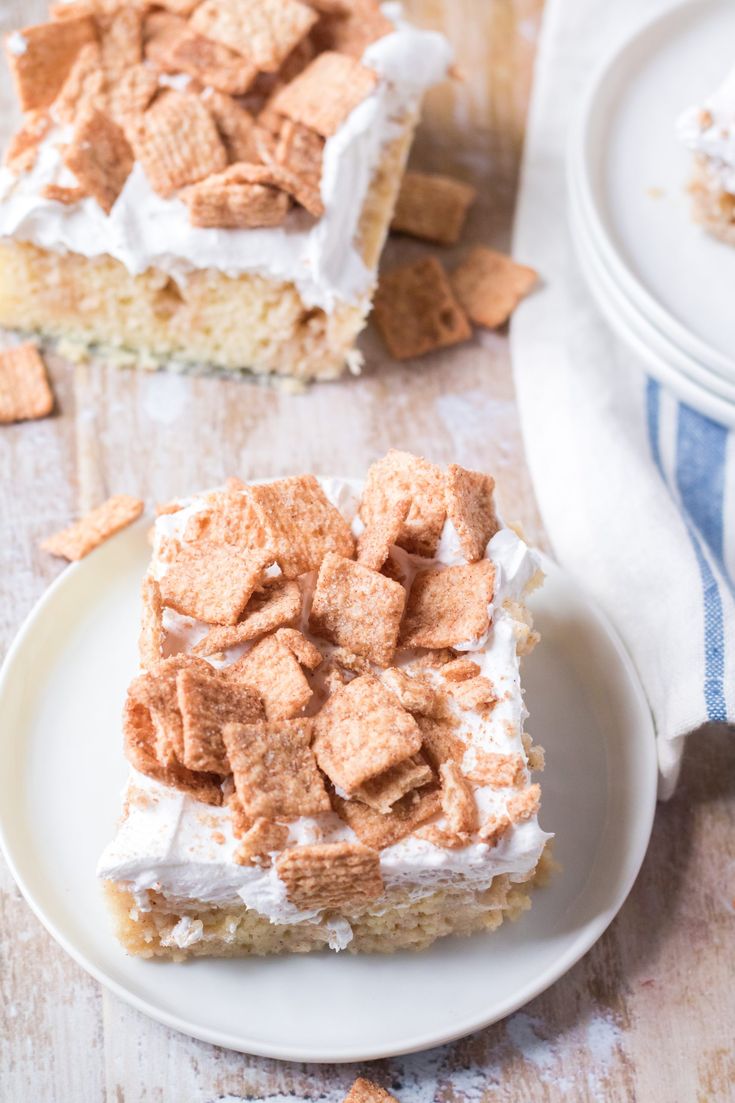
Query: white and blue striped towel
{"points": [[637, 491]]}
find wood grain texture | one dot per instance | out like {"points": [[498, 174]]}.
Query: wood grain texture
{"points": [[648, 1014]]}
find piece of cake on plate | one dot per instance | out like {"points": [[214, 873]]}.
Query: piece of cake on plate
{"points": [[326, 735], [208, 182], [709, 130]]}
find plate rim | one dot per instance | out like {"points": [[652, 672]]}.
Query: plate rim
{"points": [[643, 341], [559, 967], [579, 166]]}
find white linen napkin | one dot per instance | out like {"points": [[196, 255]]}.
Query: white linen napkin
{"points": [[636, 490]]}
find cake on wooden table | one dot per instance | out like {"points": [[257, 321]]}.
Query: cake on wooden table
{"points": [[326, 736], [709, 131], [208, 182]]}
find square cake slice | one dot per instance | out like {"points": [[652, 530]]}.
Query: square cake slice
{"points": [[212, 187], [299, 787], [708, 129]]}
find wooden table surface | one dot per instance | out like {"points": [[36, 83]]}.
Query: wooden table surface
{"points": [[648, 1014]]}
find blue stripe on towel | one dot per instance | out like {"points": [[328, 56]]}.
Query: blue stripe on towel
{"points": [[700, 450]]}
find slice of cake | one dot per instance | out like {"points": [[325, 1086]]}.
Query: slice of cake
{"points": [[326, 735], [709, 130], [208, 183]]}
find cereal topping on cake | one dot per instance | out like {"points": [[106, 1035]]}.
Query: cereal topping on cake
{"points": [[326, 92], [449, 606], [361, 731], [330, 875], [345, 704], [274, 768], [357, 608], [264, 31]]}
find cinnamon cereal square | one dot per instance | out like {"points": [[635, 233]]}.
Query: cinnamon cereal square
{"points": [[352, 29], [379, 536], [400, 475], [100, 157], [264, 31], [273, 669], [230, 205], [260, 843], [471, 509], [302, 524], [213, 584], [41, 57], [207, 702], [177, 142], [365, 1091], [211, 63], [25, 393], [416, 311], [432, 207], [276, 604], [156, 689], [330, 875], [274, 768], [357, 608], [361, 731], [489, 285], [94, 528], [449, 606], [326, 92]]}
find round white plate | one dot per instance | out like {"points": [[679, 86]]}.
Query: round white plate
{"points": [[61, 771], [690, 381], [632, 174]]}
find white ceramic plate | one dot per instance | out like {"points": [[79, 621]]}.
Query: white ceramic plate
{"points": [[61, 771], [694, 384], [632, 174]]}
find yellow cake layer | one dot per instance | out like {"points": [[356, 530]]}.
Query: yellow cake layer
{"points": [[238, 931], [246, 322]]}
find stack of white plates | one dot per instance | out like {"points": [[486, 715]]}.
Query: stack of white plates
{"points": [[665, 285]]}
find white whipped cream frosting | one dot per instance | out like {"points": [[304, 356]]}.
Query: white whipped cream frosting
{"points": [[709, 130], [143, 230], [173, 844]]}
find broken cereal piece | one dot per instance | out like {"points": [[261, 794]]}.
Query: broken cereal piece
{"points": [[177, 142], [236, 127], [260, 843], [476, 694], [458, 801], [416, 310], [361, 731], [460, 670], [22, 150], [41, 57], [207, 702], [399, 475], [380, 829], [274, 669], [489, 285], [264, 31], [213, 584], [471, 509], [414, 693], [382, 792], [100, 157], [139, 737], [432, 207], [94, 528], [449, 607], [522, 806], [150, 640], [276, 604], [330, 875], [25, 393], [59, 194], [496, 770], [326, 92], [357, 608], [275, 771]]}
